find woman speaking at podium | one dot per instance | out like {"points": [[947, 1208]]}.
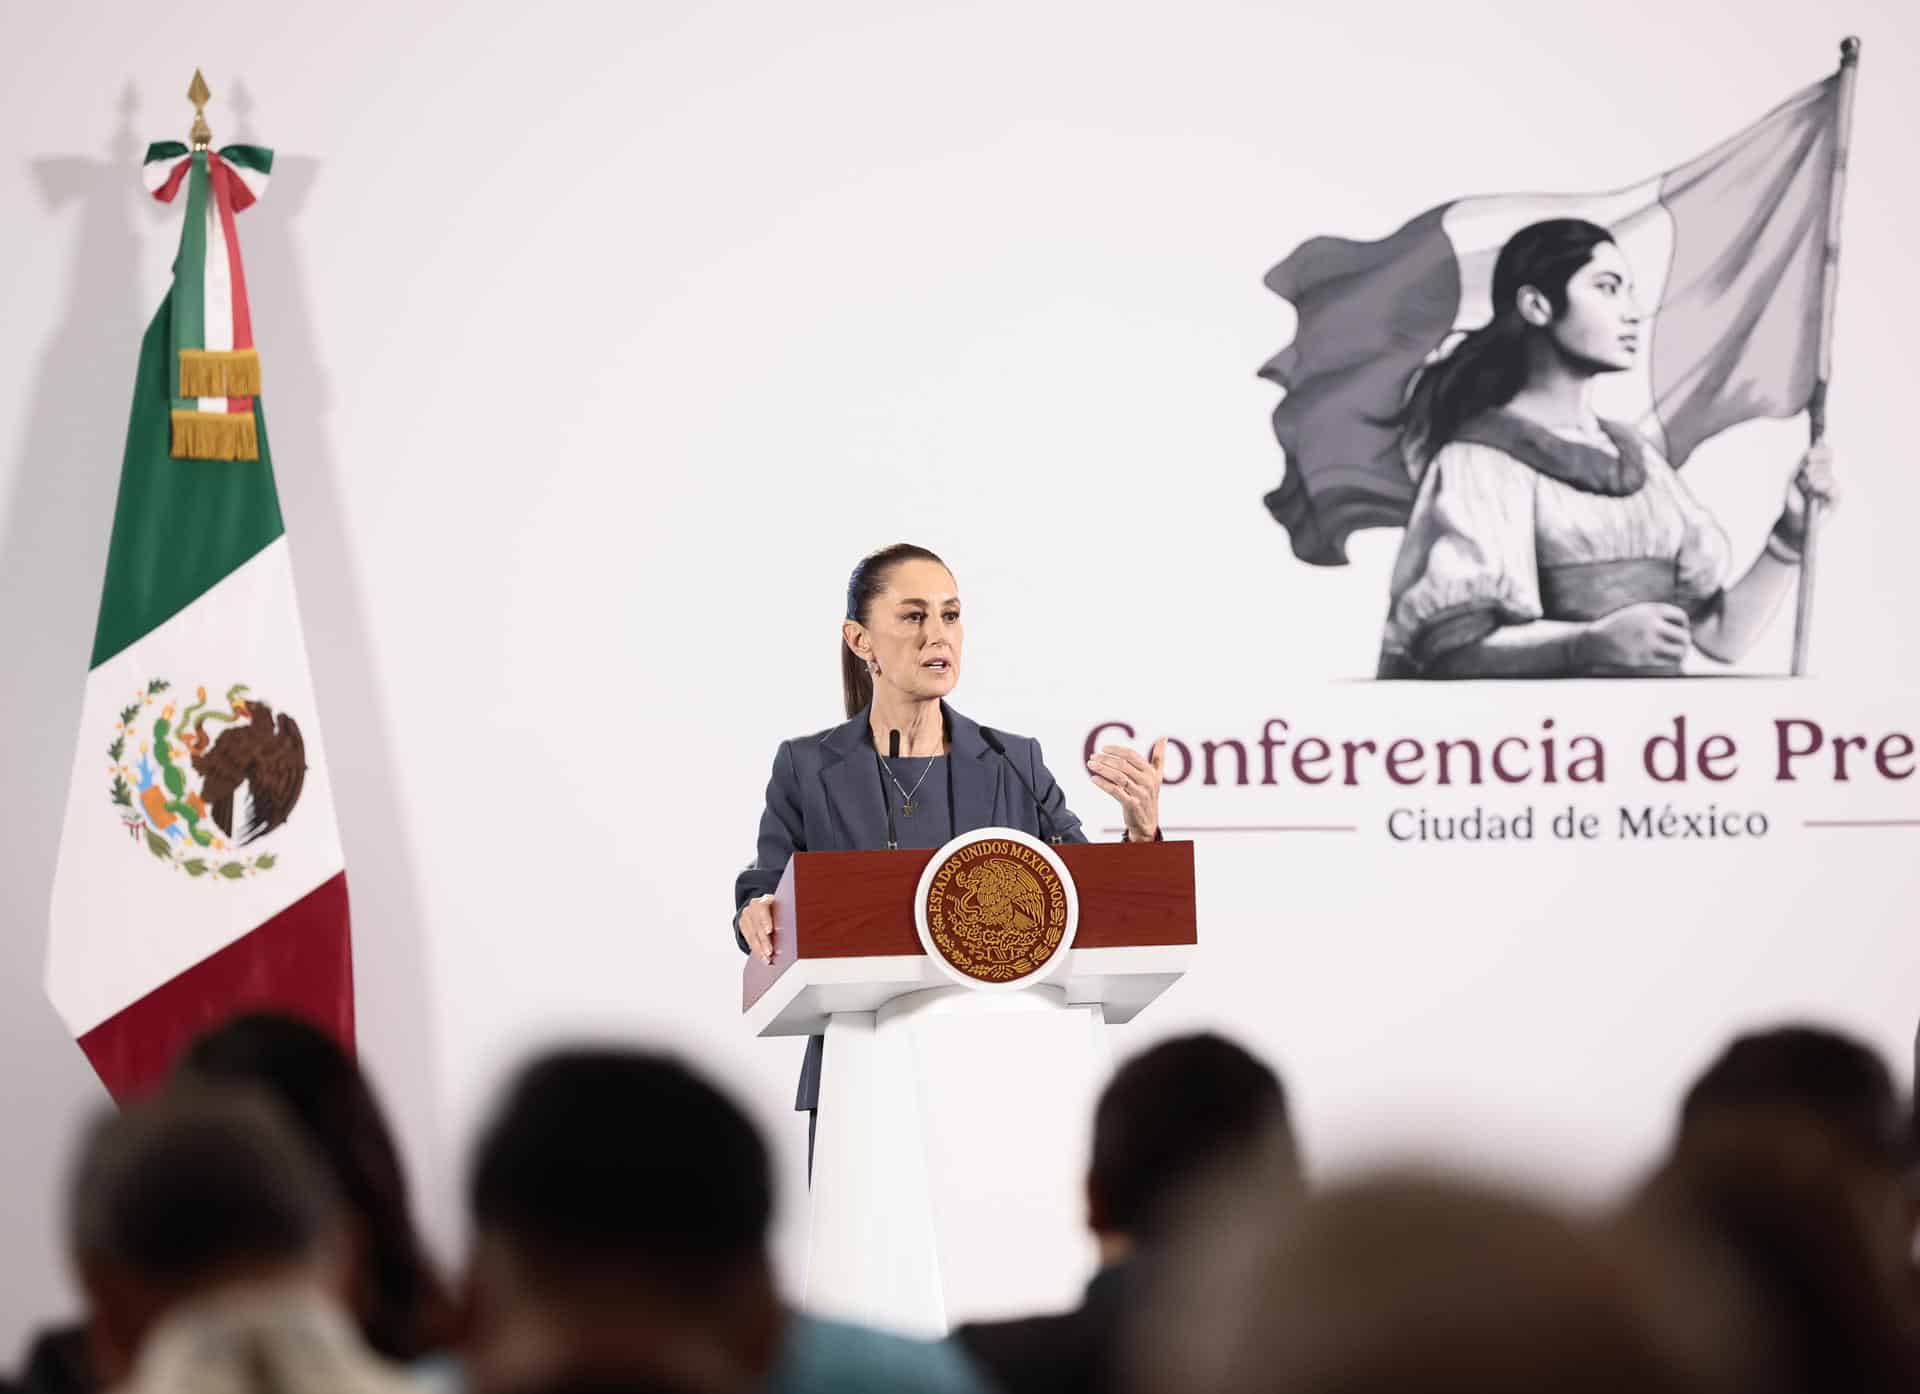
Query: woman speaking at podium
{"points": [[906, 769]]}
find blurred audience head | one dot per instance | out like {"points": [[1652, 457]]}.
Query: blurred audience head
{"points": [[1913, 1169], [403, 1309], [1172, 1116], [193, 1197], [620, 1207], [1419, 1285], [1814, 1227], [1771, 1087], [1809, 1073]]}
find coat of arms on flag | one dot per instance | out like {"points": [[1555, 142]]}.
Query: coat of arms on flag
{"points": [[199, 743], [199, 799], [1440, 380]]}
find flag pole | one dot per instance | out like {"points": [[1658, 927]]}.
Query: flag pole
{"points": [[1829, 290]]}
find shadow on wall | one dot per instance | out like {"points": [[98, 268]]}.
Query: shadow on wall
{"points": [[52, 551], [394, 1001], [52, 554]]}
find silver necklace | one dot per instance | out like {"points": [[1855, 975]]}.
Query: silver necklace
{"points": [[907, 805]]}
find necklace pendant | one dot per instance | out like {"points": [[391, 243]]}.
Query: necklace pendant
{"points": [[907, 808]]}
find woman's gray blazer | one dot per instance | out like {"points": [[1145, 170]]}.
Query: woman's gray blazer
{"points": [[825, 796]]}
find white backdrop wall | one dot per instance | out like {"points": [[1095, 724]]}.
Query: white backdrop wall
{"points": [[601, 339]]}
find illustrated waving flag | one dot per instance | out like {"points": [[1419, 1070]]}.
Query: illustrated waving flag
{"points": [[200, 869], [1728, 250]]}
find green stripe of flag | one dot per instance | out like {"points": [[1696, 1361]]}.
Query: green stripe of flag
{"points": [[180, 526], [190, 273]]}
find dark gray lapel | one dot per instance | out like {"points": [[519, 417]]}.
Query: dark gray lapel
{"points": [[852, 781], [976, 771]]}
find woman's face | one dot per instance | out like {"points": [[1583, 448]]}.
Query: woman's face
{"points": [[913, 631], [1600, 328]]}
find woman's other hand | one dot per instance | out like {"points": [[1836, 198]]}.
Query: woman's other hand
{"points": [[756, 927], [1649, 636], [1134, 782]]}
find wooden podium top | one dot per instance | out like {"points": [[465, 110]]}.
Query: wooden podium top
{"points": [[844, 931]]}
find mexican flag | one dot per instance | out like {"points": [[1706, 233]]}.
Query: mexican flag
{"points": [[200, 870], [1727, 250]]}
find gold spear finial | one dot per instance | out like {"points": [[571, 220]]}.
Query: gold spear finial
{"points": [[201, 137]]}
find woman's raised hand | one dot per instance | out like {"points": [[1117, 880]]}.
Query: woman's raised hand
{"points": [[1134, 782], [1815, 480], [756, 927]]}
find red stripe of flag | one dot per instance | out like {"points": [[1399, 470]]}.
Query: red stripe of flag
{"points": [[300, 962], [223, 181]]}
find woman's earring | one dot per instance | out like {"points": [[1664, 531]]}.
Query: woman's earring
{"points": [[873, 665]]}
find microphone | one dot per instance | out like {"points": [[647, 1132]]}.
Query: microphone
{"points": [[995, 744], [893, 753]]}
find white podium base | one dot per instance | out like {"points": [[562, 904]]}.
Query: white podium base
{"points": [[950, 1159]]}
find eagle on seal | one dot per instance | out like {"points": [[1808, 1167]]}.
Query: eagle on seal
{"points": [[1003, 907], [266, 756]]}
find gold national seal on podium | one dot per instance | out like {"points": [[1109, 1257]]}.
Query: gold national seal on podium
{"points": [[996, 908]]}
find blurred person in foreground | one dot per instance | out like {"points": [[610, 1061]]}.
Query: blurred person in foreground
{"points": [[402, 1304], [1806, 1072], [1174, 1114], [1913, 1173], [620, 1209], [1805, 1225], [403, 1307], [1815, 1077], [1792, 1157], [57, 1362], [1411, 1284], [211, 1249]]}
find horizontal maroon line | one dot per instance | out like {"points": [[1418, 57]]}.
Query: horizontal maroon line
{"points": [[1863, 823], [1255, 828]]}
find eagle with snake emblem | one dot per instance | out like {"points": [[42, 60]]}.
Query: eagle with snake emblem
{"points": [[1001, 910], [251, 773]]}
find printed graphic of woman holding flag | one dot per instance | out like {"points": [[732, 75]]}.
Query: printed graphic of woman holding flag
{"points": [[1441, 379], [1545, 541]]}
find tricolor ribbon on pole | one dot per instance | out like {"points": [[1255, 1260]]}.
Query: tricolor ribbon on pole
{"points": [[215, 370]]}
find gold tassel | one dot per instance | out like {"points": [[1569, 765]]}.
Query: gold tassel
{"points": [[214, 435], [219, 373]]}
